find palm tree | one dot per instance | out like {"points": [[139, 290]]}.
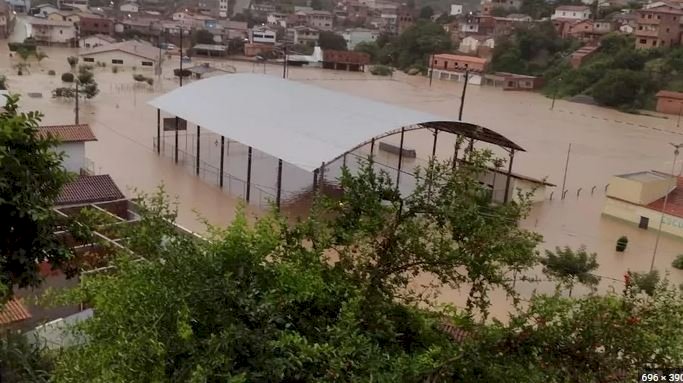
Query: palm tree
{"points": [[569, 266]]}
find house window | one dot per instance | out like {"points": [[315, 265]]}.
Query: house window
{"points": [[147, 63], [116, 61], [659, 17], [654, 43], [88, 59], [642, 41], [96, 25], [61, 32], [573, 13]]}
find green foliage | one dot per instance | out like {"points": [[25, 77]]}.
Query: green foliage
{"points": [[645, 282], [68, 77], [22, 362], [73, 61], [31, 177], [678, 262], [426, 13], [3, 82], [381, 70], [500, 11], [24, 53], [531, 49], [569, 266], [236, 46], [623, 88], [416, 43], [332, 41], [619, 75], [202, 36]]}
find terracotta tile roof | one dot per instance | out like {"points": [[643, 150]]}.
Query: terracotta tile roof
{"points": [[471, 59], [13, 311], [89, 189], [68, 133], [669, 94], [674, 204], [578, 8]]}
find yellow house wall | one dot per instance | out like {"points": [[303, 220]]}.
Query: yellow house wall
{"points": [[632, 213]]}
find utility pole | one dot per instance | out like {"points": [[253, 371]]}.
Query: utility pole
{"points": [[464, 90], [680, 109], [181, 56], [431, 69], [76, 109], [566, 167], [666, 199], [284, 63]]}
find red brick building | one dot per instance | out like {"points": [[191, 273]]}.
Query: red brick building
{"points": [[345, 60], [669, 102], [658, 27], [93, 25]]}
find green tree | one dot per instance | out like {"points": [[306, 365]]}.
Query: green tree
{"points": [[500, 11], [426, 12], [623, 88], [645, 282], [31, 177], [317, 5], [202, 36], [73, 61], [415, 44], [332, 41], [369, 47], [569, 267]]}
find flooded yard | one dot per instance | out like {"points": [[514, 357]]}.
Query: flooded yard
{"points": [[604, 142]]}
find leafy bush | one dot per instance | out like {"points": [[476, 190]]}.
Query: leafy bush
{"points": [[3, 82], [185, 73], [68, 77], [381, 70], [51, 73], [72, 60], [646, 282], [85, 68], [678, 262]]}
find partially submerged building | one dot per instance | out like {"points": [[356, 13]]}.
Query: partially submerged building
{"points": [[639, 198]]}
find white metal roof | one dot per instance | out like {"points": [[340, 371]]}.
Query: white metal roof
{"points": [[301, 124]]}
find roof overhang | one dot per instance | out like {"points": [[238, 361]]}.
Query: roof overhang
{"points": [[301, 124]]}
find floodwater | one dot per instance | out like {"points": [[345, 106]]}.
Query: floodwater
{"points": [[604, 142]]}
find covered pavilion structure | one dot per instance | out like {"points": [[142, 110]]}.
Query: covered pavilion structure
{"points": [[301, 130]]}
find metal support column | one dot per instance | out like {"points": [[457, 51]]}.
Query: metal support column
{"points": [[322, 177], [464, 91], [507, 181], [198, 151], [279, 183], [400, 158], [344, 161], [372, 148], [455, 151], [436, 134], [315, 180], [158, 131], [220, 179], [248, 174], [175, 156]]}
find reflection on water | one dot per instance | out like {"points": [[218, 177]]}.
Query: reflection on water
{"points": [[604, 142]]}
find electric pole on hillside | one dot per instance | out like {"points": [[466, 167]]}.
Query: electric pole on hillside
{"points": [[464, 91]]}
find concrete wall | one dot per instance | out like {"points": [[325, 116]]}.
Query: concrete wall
{"points": [[74, 155], [638, 192], [129, 60], [669, 105], [632, 213]]}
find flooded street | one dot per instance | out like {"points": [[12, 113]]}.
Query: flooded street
{"points": [[604, 142]]}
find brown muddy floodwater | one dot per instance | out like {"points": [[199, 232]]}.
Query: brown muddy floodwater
{"points": [[604, 142]]}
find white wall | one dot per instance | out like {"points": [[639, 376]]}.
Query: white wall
{"points": [[92, 42], [74, 155], [129, 60], [456, 9]]}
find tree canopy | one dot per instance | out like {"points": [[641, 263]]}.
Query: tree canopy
{"points": [[31, 177], [331, 40]]}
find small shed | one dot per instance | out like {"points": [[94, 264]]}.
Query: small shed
{"points": [[669, 102], [210, 50]]}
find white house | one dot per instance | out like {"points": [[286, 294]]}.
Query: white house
{"points": [[471, 44], [19, 5], [626, 29], [275, 18], [456, 9], [72, 139], [222, 8], [262, 35], [572, 12], [124, 54], [129, 7], [359, 35], [43, 10], [302, 35], [51, 31], [95, 41]]}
